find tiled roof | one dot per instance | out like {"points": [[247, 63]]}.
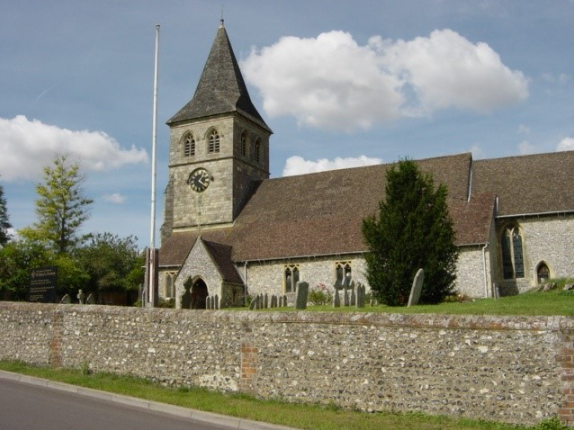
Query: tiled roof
{"points": [[222, 257], [221, 88], [528, 184], [322, 213]]}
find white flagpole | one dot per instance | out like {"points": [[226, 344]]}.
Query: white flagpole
{"points": [[152, 263]]}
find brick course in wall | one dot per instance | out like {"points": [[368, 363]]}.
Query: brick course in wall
{"points": [[510, 369]]}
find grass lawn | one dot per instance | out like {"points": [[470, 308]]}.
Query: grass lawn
{"points": [[300, 416], [555, 302]]}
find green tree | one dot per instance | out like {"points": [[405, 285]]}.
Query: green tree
{"points": [[61, 207], [17, 257], [413, 230], [4, 222], [112, 263]]}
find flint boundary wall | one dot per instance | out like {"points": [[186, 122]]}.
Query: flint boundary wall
{"points": [[511, 369]]}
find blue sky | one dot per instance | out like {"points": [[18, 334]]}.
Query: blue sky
{"points": [[340, 83]]}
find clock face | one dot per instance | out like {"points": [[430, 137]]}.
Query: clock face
{"points": [[199, 180]]}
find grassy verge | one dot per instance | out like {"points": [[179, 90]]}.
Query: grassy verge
{"points": [[313, 417], [555, 302]]}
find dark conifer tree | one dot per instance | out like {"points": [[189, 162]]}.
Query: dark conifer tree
{"points": [[413, 230]]}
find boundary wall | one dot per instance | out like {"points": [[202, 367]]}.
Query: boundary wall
{"points": [[509, 369]]}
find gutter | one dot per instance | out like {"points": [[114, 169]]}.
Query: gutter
{"points": [[535, 214]]}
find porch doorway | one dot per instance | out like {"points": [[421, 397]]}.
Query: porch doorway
{"points": [[198, 294]]}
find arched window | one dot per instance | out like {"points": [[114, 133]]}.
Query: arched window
{"points": [[343, 273], [243, 144], [214, 142], [189, 146], [256, 155], [512, 253], [291, 278], [169, 286]]}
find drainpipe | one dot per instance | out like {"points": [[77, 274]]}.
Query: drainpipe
{"points": [[244, 280], [485, 270]]}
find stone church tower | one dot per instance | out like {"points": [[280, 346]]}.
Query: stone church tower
{"points": [[219, 145]]}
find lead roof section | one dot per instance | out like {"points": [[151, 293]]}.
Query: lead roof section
{"points": [[221, 88]]}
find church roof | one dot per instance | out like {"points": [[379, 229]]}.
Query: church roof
{"points": [[221, 255], [321, 214], [221, 88], [528, 184]]}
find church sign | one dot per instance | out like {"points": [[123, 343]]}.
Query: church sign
{"points": [[43, 283]]}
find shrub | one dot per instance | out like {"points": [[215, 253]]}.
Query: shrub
{"points": [[320, 295]]}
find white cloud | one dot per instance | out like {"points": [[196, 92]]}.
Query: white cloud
{"points": [[325, 82], [566, 144], [523, 129], [525, 148], [116, 198], [297, 165], [27, 146], [332, 82], [447, 71]]}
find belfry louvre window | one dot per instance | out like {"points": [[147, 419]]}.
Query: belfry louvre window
{"points": [[512, 253], [257, 151], [243, 144], [189, 146], [214, 142], [291, 278]]}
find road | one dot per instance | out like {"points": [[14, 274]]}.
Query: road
{"points": [[31, 407]]}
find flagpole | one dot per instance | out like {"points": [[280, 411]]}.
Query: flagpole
{"points": [[152, 275]]}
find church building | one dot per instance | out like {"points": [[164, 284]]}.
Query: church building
{"points": [[229, 230]]}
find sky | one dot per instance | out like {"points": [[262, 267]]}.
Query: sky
{"points": [[340, 83]]}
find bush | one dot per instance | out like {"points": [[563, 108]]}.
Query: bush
{"points": [[320, 295]]}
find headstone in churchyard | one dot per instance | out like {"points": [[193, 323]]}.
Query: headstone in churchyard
{"points": [[81, 297], [417, 288], [348, 281], [42, 286], [360, 296], [345, 297], [273, 301], [336, 299], [216, 302], [208, 302], [253, 304], [266, 301], [91, 300], [353, 296], [66, 300], [302, 293]]}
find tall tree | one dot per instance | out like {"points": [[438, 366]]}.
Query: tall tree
{"points": [[413, 230], [61, 207], [112, 263], [4, 222]]}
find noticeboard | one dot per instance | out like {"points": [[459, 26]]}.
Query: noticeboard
{"points": [[43, 283]]}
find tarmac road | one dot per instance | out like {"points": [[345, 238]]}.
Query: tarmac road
{"points": [[34, 404]]}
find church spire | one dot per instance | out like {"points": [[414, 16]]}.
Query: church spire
{"points": [[221, 88]]}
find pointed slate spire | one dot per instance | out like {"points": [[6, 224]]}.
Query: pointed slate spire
{"points": [[221, 88]]}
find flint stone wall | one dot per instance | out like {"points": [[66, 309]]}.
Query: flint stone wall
{"points": [[511, 369]]}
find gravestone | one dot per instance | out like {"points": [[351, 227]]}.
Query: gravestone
{"points": [[417, 288], [209, 302], [216, 302], [81, 297], [273, 301], [345, 297], [336, 300], [360, 296], [353, 296], [253, 304], [266, 302], [302, 293], [91, 300], [66, 300]]}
